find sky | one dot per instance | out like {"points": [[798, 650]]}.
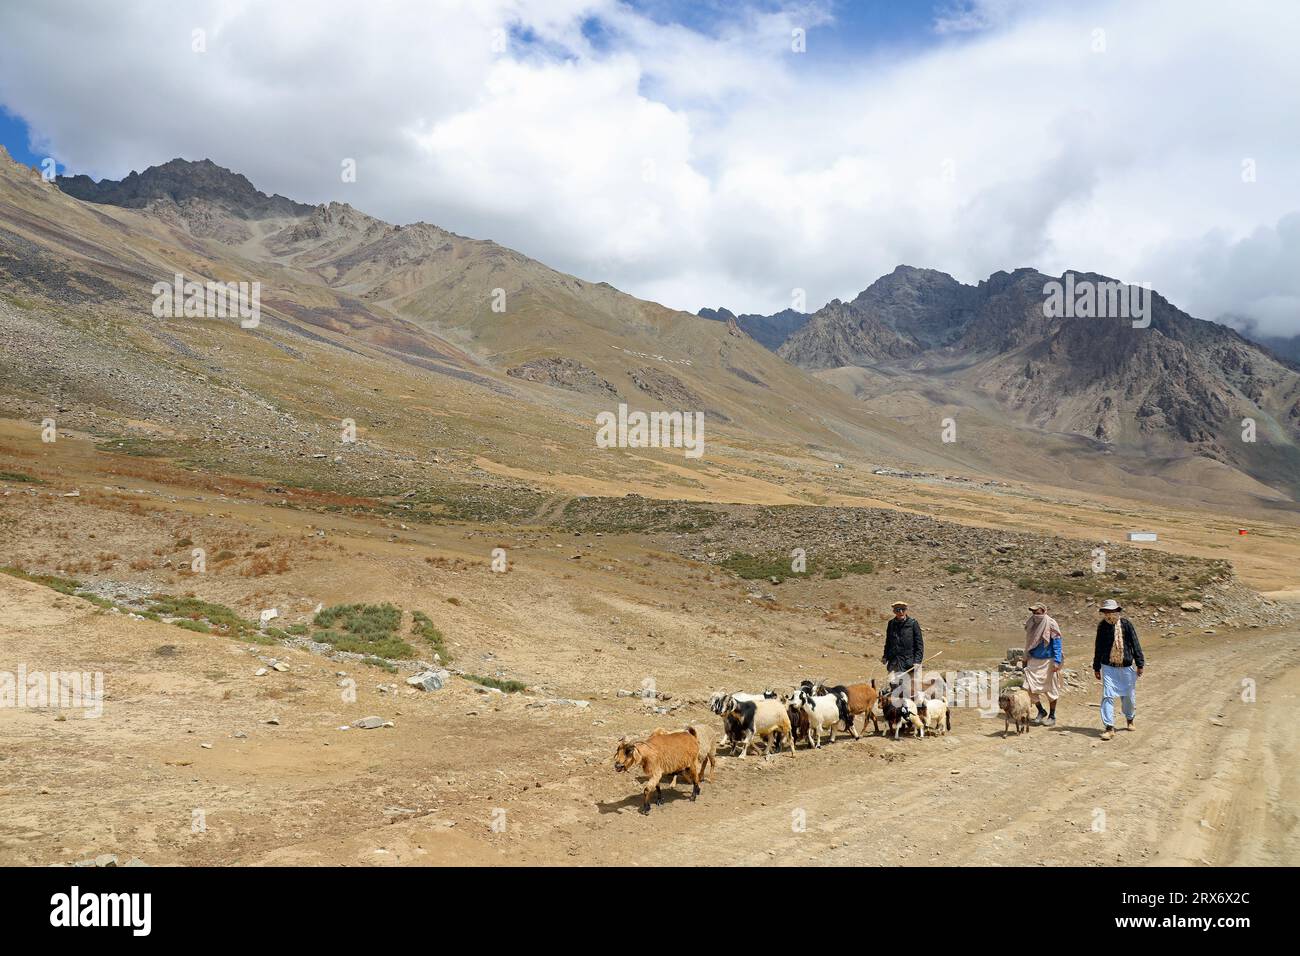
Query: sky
{"points": [[748, 155]]}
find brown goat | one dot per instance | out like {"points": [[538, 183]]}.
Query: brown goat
{"points": [[862, 699], [708, 744], [800, 725], [660, 755]]}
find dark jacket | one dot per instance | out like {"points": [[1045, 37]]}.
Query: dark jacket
{"points": [[904, 646], [1106, 635]]}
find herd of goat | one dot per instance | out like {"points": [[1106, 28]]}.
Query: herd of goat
{"points": [[779, 721]]}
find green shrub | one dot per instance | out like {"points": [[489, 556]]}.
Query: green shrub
{"points": [[62, 585], [853, 567], [361, 619], [221, 618], [749, 567], [509, 686], [363, 629], [422, 626]]}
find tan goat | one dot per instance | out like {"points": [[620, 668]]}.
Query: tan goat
{"points": [[1015, 704], [661, 754]]}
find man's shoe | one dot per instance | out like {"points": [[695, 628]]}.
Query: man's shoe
{"points": [[1130, 725], [1048, 721], [1108, 733], [1040, 719]]}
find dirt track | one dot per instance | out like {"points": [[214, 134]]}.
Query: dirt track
{"points": [[426, 791], [1033, 799]]}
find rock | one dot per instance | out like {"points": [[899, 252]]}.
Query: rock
{"points": [[1192, 606], [280, 667], [580, 704], [274, 721], [369, 723], [106, 859], [429, 680], [260, 672], [136, 861]]}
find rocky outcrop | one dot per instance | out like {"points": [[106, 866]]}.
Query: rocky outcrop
{"points": [[898, 316], [666, 388], [769, 331], [180, 181], [564, 373]]}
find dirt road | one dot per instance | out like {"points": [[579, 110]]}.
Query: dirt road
{"points": [[1206, 777]]}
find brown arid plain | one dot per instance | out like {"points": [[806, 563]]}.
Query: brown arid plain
{"points": [[221, 742], [469, 775]]}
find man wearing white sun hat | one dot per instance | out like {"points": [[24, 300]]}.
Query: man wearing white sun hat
{"points": [[1117, 662]]}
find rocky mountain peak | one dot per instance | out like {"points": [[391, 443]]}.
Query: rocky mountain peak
{"points": [[769, 330], [182, 181]]}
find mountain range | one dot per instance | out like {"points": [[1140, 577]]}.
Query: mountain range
{"points": [[1170, 381], [434, 341]]}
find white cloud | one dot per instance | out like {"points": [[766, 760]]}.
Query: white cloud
{"points": [[721, 169], [966, 16]]}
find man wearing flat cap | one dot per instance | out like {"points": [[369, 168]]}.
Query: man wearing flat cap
{"points": [[904, 649], [1117, 661]]}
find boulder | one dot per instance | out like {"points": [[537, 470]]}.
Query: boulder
{"points": [[430, 680]]}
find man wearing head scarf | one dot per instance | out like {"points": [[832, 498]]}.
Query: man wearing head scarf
{"points": [[1044, 659], [1117, 662]]}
